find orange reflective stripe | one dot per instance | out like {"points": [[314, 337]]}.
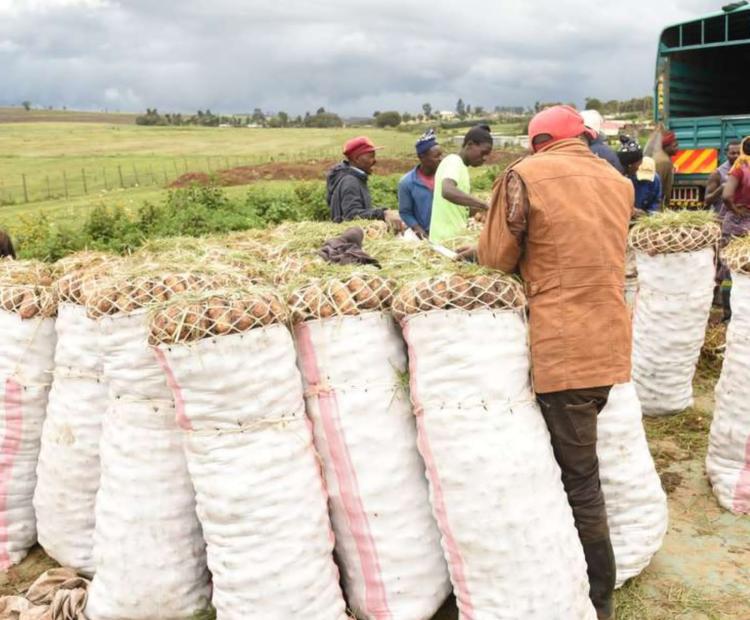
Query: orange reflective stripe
{"points": [[696, 161]]}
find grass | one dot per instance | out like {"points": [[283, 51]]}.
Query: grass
{"points": [[677, 219]]}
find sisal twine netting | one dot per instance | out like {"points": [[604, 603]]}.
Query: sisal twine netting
{"points": [[458, 292], [86, 259], [672, 232], [79, 278], [189, 318], [129, 292], [26, 289], [736, 255], [346, 296]]}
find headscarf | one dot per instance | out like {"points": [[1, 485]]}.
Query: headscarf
{"points": [[426, 141], [668, 138], [630, 151], [743, 159]]}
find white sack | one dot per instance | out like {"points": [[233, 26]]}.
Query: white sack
{"points": [[26, 361], [149, 553], [669, 325], [68, 469], [728, 459], [260, 494], [496, 490], [387, 541], [636, 503]]}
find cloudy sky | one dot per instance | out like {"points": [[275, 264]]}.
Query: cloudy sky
{"points": [[349, 56]]}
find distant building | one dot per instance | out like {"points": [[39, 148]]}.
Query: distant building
{"points": [[447, 115]]}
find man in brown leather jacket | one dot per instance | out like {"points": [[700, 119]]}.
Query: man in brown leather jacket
{"points": [[560, 217]]}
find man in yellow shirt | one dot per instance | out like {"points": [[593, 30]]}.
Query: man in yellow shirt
{"points": [[452, 202]]}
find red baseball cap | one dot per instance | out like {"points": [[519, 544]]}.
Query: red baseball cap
{"points": [[560, 122], [359, 146]]}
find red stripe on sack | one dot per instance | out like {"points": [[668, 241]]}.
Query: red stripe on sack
{"points": [[457, 570], [375, 596], [741, 500], [8, 452], [179, 402]]}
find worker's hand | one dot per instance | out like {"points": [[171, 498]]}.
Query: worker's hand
{"points": [[467, 254], [419, 231], [393, 219], [639, 213]]}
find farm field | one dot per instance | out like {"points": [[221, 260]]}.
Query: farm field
{"points": [[40, 162]]}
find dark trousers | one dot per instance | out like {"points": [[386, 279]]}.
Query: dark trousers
{"points": [[571, 417]]}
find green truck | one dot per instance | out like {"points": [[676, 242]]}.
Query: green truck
{"points": [[702, 93]]}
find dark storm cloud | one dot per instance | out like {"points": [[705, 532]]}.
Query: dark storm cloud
{"points": [[350, 56]]}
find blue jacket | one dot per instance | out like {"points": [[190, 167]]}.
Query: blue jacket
{"points": [[647, 194], [414, 201], [601, 149]]}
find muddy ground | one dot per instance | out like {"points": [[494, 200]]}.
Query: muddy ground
{"points": [[703, 570], [306, 171]]}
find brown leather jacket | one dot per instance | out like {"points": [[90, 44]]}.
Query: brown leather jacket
{"points": [[572, 259]]}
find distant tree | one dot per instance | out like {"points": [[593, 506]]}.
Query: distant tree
{"points": [[468, 109], [298, 121], [320, 110], [283, 118], [26, 105], [388, 119], [461, 108], [406, 117], [427, 109], [258, 117], [478, 110], [592, 103], [376, 113], [323, 119]]}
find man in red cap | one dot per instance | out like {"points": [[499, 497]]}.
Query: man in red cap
{"points": [[560, 217], [664, 166], [347, 193]]}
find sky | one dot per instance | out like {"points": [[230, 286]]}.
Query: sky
{"points": [[348, 56]]}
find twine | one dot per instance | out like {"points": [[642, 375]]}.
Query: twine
{"points": [[674, 239]]}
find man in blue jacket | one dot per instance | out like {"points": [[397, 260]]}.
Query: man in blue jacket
{"points": [[598, 145], [416, 187]]}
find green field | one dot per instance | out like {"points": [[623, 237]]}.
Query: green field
{"points": [[65, 168]]}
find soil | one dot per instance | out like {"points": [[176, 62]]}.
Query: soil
{"points": [[304, 171]]}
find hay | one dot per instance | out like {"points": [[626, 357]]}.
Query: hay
{"points": [[191, 317], [736, 255], [671, 232]]}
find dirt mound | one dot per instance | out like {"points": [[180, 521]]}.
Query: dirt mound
{"points": [[305, 171]]}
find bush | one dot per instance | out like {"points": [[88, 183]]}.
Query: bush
{"points": [[388, 119], [194, 211]]}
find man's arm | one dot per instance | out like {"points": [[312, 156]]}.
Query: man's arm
{"points": [[730, 187], [714, 189], [353, 206], [406, 208], [503, 236], [452, 194]]}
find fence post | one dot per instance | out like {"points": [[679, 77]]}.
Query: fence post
{"points": [[119, 171], [25, 190], [104, 173], [65, 183], [83, 176], [208, 161], [49, 191]]}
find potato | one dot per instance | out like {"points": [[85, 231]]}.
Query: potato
{"points": [[356, 285], [367, 299], [29, 307], [326, 311]]}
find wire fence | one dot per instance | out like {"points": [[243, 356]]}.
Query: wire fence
{"points": [[31, 187]]}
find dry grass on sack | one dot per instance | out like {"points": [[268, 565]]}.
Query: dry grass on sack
{"points": [[671, 232], [459, 291], [192, 317], [736, 255], [26, 289], [80, 274]]}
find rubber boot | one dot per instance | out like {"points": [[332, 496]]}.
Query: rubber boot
{"points": [[718, 302], [726, 294], [602, 572]]}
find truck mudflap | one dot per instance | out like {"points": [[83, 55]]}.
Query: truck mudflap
{"points": [[696, 161]]}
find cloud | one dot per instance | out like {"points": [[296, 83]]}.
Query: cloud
{"points": [[352, 57]]}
